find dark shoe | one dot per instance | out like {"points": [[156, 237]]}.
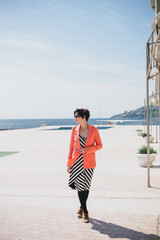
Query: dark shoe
{"points": [[80, 213], [86, 218]]}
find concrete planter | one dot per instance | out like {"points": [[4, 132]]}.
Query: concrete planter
{"points": [[139, 133], [143, 159], [150, 139]]}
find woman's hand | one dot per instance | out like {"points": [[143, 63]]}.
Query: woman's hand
{"points": [[82, 150], [69, 169]]}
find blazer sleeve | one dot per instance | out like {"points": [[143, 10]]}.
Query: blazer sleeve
{"points": [[97, 143], [71, 146]]}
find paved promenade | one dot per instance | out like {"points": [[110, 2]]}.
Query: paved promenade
{"points": [[36, 203]]}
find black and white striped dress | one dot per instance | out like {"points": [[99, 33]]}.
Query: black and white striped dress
{"points": [[80, 178]]}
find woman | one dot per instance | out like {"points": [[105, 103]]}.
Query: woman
{"points": [[85, 140]]}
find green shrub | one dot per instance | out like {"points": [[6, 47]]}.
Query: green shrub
{"points": [[145, 135], [143, 150]]}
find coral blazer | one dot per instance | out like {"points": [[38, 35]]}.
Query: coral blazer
{"points": [[93, 143]]}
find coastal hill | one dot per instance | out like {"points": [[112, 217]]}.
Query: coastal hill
{"points": [[136, 114]]}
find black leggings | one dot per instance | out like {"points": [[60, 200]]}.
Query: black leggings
{"points": [[83, 200]]}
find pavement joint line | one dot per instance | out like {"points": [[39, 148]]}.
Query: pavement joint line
{"points": [[63, 196]]}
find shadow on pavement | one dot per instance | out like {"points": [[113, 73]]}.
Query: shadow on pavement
{"points": [[156, 188], [155, 166], [116, 231]]}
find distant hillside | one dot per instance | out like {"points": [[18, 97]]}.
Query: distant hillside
{"points": [[135, 114]]}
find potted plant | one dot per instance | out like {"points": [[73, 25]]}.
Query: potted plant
{"points": [[142, 156], [144, 135], [139, 132]]}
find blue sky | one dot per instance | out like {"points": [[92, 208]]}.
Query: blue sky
{"points": [[57, 55]]}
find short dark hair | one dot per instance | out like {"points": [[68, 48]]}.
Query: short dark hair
{"points": [[82, 112]]}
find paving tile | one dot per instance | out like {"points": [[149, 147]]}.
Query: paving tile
{"points": [[36, 203]]}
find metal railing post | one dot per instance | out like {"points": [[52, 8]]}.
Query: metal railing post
{"points": [[148, 144], [144, 114], [156, 119]]}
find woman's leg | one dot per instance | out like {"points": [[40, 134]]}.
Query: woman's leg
{"points": [[83, 195], [86, 194]]}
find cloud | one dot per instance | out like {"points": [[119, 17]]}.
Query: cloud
{"points": [[115, 71], [24, 43]]}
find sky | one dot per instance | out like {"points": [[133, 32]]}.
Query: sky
{"points": [[59, 55]]}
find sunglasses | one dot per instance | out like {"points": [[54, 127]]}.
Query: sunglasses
{"points": [[76, 115]]}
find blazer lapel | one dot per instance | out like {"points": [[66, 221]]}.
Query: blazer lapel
{"points": [[78, 129], [89, 134]]}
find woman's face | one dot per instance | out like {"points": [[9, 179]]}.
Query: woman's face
{"points": [[78, 119]]}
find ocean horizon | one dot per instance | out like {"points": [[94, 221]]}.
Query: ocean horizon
{"points": [[9, 124]]}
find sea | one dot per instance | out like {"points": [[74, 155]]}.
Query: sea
{"points": [[8, 124]]}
